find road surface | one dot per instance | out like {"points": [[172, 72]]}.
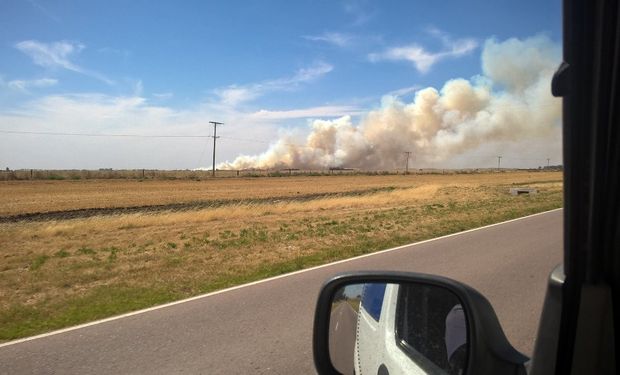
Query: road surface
{"points": [[266, 327], [342, 329]]}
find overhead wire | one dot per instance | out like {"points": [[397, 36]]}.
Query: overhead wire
{"points": [[147, 136], [101, 134], [195, 137]]}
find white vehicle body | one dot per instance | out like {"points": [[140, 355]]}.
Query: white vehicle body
{"points": [[376, 343]]}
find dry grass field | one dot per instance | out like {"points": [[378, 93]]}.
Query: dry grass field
{"points": [[20, 197], [56, 273]]}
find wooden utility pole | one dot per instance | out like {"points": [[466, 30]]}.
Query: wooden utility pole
{"points": [[215, 137], [499, 162], [408, 153]]}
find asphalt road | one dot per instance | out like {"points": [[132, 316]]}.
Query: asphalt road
{"points": [[342, 332], [267, 327]]}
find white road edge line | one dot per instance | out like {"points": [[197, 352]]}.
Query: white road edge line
{"points": [[14, 342]]}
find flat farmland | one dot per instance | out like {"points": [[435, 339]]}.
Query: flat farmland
{"points": [[19, 197], [130, 244], [22, 197]]}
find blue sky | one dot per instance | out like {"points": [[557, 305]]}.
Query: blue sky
{"points": [[259, 66]]}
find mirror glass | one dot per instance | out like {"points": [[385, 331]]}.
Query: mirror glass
{"points": [[379, 328]]}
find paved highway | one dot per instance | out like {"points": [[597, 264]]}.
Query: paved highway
{"points": [[266, 327]]}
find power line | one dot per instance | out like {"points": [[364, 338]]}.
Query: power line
{"points": [[187, 136], [202, 154], [102, 134], [146, 136], [524, 159], [245, 139], [267, 142]]}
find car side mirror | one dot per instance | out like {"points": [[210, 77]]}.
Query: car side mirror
{"points": [[400, 323]]}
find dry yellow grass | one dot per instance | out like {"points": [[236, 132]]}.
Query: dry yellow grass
{"points": [[54, 265], [20, 197]]}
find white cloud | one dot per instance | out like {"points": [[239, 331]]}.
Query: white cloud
{"points": [[335, 38], [233, 95], [306, 74], [162, 95], [404, 91], [422, 59], [93, 113], [100, 114], [358, 10], [236, 94], [44, 10], [311, 112], [138, 88], [57, 55], [24, 85], [52, 54]]}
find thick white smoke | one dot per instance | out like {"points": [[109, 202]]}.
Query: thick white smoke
{"points": [[510, 102]]}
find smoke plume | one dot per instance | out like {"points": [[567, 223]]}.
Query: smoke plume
{"points": [[509, 102]]}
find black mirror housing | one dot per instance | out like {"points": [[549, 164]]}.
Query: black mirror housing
{"points": [[489, 351]]}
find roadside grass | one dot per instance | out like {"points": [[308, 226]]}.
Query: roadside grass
{"points": [[58, 274]]}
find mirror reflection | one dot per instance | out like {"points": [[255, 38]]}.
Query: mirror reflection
{"points": [[379, 328]]}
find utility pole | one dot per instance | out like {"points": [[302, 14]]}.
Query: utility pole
{"points": [[408, 153], [499, 162], [215, 137]]}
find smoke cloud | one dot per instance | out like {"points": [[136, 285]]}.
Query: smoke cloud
{"points": [[509, 103]]}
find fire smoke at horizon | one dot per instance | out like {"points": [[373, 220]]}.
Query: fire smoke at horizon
{"points": [[509, 103]]}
